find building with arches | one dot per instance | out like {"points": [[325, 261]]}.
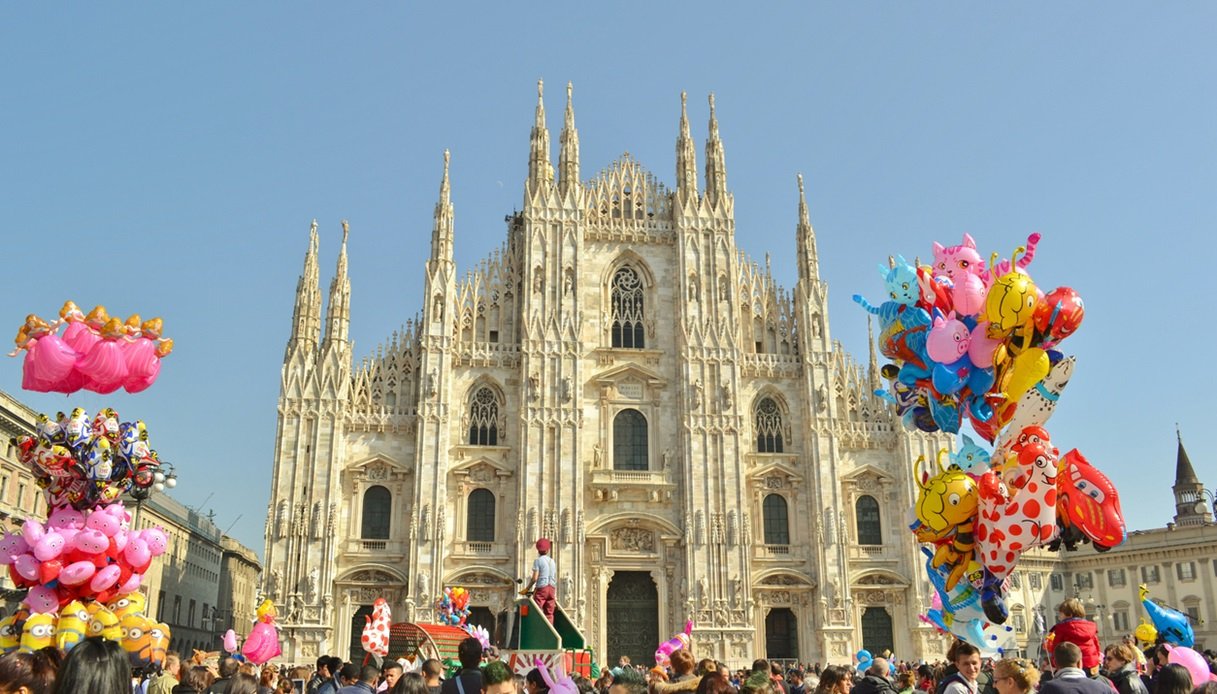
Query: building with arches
{"points": [[620, 378]]}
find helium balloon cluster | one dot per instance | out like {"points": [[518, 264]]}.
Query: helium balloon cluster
{"points": [[453, 607], [262, 644], [96, 352], [79, 555], [84, 463], [663, 654], [375, 635], [976, 344], [62, 614]]}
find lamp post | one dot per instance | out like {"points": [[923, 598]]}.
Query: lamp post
{"points": [[1199, 498], [165, 477]]}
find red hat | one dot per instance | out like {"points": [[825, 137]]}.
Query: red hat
{"points": [[543, 545]]}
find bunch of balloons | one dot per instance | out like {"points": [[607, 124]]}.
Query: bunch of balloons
{"points": [[453, 607], [122, 619], [84, 463], [96, 352], [79, 555], [262, 644], [976, 343]]}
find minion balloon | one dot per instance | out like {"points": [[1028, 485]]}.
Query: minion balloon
{"points": [[10, 631], [158, 635], [73, 623], [137, 639], [105, 625], [38, 632], [128, 604]]}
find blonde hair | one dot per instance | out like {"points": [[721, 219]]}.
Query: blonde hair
{"points": [[1021, 671], [1122, 651], [1072, 608]]}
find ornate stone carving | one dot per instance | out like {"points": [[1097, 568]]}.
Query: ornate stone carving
{"points": [[424, 524], [377, 471], [732, 533], [699, 528], [632, 539], [775, 482]]}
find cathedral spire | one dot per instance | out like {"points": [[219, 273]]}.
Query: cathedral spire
{"points": [[716, 163], [873, 372], [568, 158], [442, 229], [540, 170], [809, 264], [686, 156], [306, 316], [338, 312], [1191, 502]]}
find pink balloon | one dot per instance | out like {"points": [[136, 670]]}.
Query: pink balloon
{"points": [[42, 599], [968, 294], [32, 531], [138, 553], [120, 539], [157, 542], [29, 374], [131, 584], [66, 517], [49, 547], [143, 366], [53, 360], [91, 541], [79, 337], [105, 578], [107, 523], [77, 573], [27, 566], [1193, 661], [982, 348], [12, 545], [103, 367], [230, 641]]}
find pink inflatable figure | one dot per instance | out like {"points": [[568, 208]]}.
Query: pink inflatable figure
{"points": [[230, 641], [262, 644], [12, 545], [957, 261], [1011, 523], [375, 636], [949, 339], [143, 355], [663, 654], [83, 331], [104, 367], [1005, 267], [559, 682]]}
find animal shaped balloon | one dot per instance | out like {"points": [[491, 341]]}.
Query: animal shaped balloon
{"points": [[946, 510], [230, 641], [375, 636], [559, 682], [1037, 404], [1173, 626], [262, 644], [1011, 302], [970, 457], [681, 640]]}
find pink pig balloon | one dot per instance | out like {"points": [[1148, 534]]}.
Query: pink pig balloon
{"points": [[157, 542], [12, 545], [77, 573], [66, 517], [948, 340], [27, 566], [138, 553], [42, 599], [107, 523], [131, 584], [32, 531], [91, 541], [49, 547], [105, 578]]}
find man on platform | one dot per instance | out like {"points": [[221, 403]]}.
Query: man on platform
{"points": [[544, 578]]}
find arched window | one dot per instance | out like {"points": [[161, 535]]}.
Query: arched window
{"points": [[377, 509], [777, 520], [867, 514], [629, 441], [768, 427], [480, 525], [484, 418], [628, 311]]}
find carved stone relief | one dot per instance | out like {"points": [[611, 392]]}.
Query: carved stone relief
{"points": [[632, 539]]}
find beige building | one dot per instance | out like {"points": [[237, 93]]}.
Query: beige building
{"points": [[240, 575], [20, 496]]}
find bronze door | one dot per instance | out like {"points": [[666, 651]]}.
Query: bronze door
{"points": [[632, 617], [877, 631]]}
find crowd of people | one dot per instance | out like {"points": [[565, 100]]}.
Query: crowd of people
{"points": [[1076, 664]]}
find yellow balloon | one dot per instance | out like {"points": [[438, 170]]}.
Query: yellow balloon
{"points": [[1146, 633], [38, 632], [1011, 302], [73, 623], [267, 608], [1028, 368], [105, 625]]}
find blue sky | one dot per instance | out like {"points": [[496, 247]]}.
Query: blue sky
{"points": [[167, 159]]}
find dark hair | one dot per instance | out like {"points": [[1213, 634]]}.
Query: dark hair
{"points": [[714, 683], [1173, 678], [831, 677], [1209, 687], [243, 683], [268, 676], [432, 667], [757, 683], [961, 648], [470, 652], [1068, 654], [495, 672], [34, 671], [198, 678], [534, 676], [760, 665], [323, 661], [705, 665], [628, 676], [370, 673], [391, 665], [229, 667], [350, 671], [682, 661], [334, 665], [97, 666], [411, 683]]}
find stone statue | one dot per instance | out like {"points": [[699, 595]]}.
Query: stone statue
{"points": [[567, 588], [424, 595], [431, 387], [273, 582], [726, 391], [597, 456], [703, 591], [667, 457], [698, 390], [310, 585]]}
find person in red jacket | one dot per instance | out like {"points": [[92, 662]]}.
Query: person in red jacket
{"points": [[1073, 627]]}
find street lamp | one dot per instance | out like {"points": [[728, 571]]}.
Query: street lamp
{"points": [[1199, 498]]}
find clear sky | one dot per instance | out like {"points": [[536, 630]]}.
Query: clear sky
{"points": [[167, 159]]}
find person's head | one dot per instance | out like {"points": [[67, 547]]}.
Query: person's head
{"points": [[1173, 678], [243, 683], [925, 672], [832, 679], [229, 667], [543, 546], [534, 682], [95, 665], [715, 683], [411, 683], [391, 672], [967, 660], [1072, 607], [369, 674], [1209, 687], [757, 683], [704, 666], [497, 679], [879, 668], [682, 661], [198, 678], [268, 677], [623, 661], [349, 674], [1067, 654], [29, 673], [794, 676], [1119, 655], [470, 652], [323, 667], [334, 665], [173, 664], [522, 684], [904, 681], [760, 665], [286, 686], [628, 681], [432, 669], [1162, 655], [1015, 676]]}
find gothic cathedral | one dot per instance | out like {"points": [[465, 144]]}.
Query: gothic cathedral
{"points": [[619, 378]]}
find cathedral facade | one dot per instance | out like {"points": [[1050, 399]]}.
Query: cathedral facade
{"points": [[620, 378]]}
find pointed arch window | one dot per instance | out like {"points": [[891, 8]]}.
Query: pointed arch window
{"points": [[870, 530], [628, 310], [629, 441], [484, 418], [768, 427], [480, 520], [777, 520], [377, 510]]}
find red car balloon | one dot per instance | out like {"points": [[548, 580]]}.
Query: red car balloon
{"points": [[1089, 502]]}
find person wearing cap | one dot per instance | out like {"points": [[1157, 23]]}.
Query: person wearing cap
{"points": [[545, 579]]}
